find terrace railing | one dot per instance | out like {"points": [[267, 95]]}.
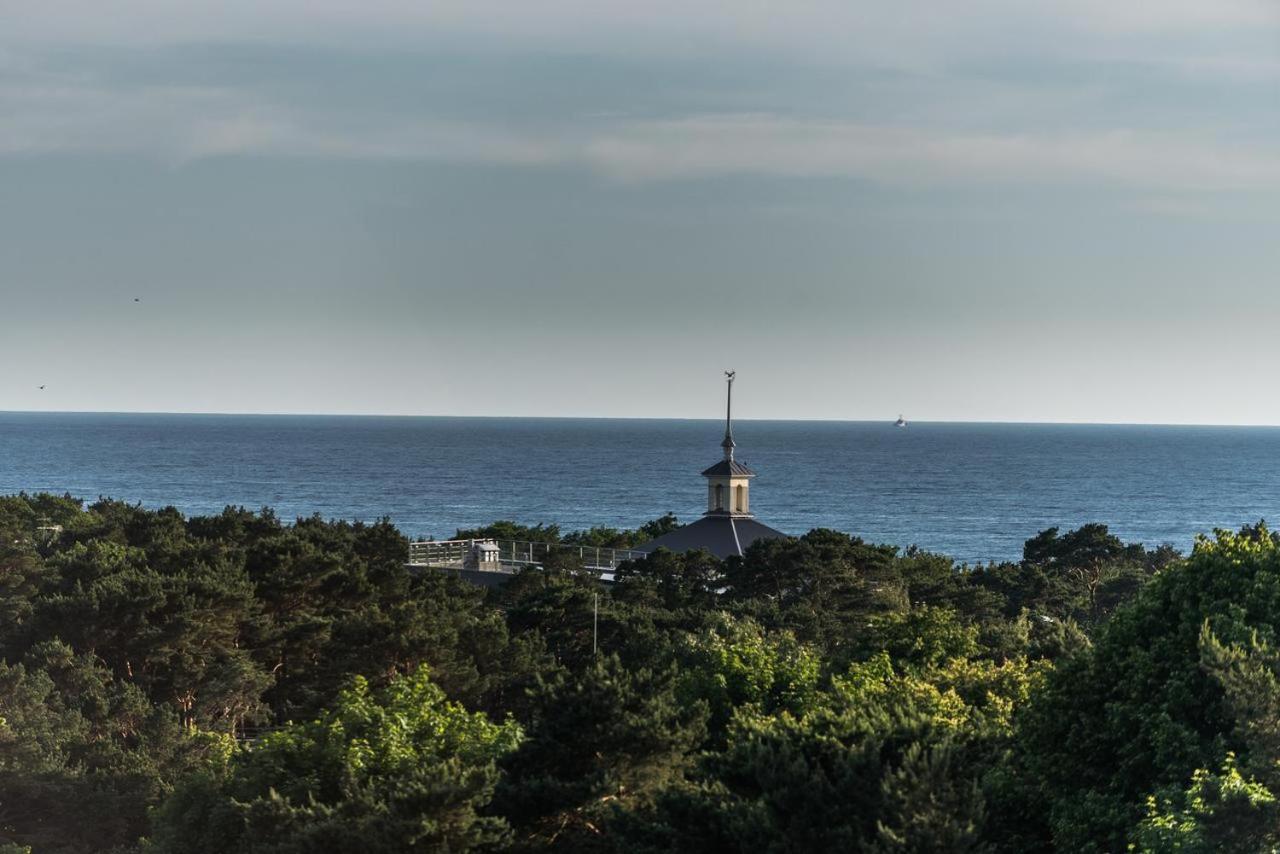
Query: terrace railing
{"points": [[511, 555]]}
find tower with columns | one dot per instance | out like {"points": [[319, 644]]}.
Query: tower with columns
{"points": [[729, 481], [728, 527]]}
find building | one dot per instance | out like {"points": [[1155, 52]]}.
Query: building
{"points": [[727, 528]]}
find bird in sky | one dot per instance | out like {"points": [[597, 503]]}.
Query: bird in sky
{"points": [[135, 299], [41, 387]]}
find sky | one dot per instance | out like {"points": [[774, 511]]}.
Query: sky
{"points": [[993, 210]]}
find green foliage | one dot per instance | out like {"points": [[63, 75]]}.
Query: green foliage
{"points": [[1085, 546], [134, 636], [822, 586], [923, 637], [601, 537], [506, 530], [1139, 713], [819, 693], [737, 665], [885, 758], [610, 735], [74, 741], [926, 807], [664, 524], [1217, 812], [1248, 673], [618, 539], [613, 538], [1235, 808], [402, 769], [669, 581]]}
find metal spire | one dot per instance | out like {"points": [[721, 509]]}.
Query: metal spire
{"points": [[728, 444]]}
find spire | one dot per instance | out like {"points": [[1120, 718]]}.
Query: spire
{"points": [[728, 444]]}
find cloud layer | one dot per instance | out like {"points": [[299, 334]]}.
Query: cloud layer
{"points": [[800, 24], [53, 114], [1007, 92]]}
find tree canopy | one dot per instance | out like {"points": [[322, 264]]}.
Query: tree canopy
{"points": [[238, 682]]}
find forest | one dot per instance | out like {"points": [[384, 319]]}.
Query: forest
{"points": [[242, 683]]}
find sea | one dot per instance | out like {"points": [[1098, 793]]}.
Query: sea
{"points": [[974, 492]]}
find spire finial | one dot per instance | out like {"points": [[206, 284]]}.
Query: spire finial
{"points": [[728, 444]]}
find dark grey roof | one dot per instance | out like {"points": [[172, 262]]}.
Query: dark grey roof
{"points": [[725, 468], [719, 533]]}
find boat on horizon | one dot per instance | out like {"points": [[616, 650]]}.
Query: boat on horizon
{"points": [[901, 422]]}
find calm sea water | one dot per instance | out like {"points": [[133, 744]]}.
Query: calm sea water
{"points": [[973, 491]]}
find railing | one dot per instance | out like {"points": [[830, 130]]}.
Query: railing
{"points": [[511, 555], [447, 553]]}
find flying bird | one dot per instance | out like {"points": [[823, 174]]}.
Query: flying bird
{"points": [[135, 299], [42, 387]]}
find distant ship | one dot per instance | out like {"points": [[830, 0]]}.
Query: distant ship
{"points": [[901, 422]]}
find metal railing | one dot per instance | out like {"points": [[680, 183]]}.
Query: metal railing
{"points": [[512, 555]]}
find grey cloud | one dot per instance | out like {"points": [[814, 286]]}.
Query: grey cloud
{"points": [[48, 114], [902, 155], [869, 27]]}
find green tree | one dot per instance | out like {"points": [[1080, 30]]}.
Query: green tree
{"points": [[398, 770], [821, 586], [1218, 812], [1233, 809], [610, 736], [1138, 713], [82, 754], [922, 637], [176, 634], [736, 664], [506, 530], [670, 581], [664, 524], [889, 757], [927, 807]]}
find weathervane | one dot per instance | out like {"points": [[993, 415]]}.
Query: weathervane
{"points": [[728, 444]]}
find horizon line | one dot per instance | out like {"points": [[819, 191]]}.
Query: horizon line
{"points": [[801, 420]]}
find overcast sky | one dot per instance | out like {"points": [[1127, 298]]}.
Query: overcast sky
{"points": [[990, 210]]}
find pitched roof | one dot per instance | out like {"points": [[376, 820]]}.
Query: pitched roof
{"points": [[719, 533], [726, 468]]}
